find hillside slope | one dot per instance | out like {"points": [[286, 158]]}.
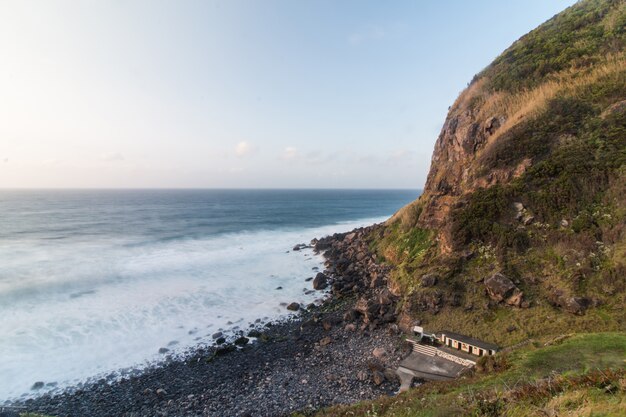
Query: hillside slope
{"points": [[521, 225], [520, 235]]}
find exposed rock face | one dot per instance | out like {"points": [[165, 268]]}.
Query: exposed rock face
{"points": [[455, 171]]}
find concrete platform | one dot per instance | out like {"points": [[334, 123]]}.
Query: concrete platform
{"points": [[431, 368]]}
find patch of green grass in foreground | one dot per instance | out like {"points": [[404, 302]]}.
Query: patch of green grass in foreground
{"points": [[581, 375]]}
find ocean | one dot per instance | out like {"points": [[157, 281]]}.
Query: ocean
{"points": [[94, 283]]}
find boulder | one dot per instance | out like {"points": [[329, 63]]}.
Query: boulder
{"points": [[379, 352], [320, 281], [499, 287], [254, 333], [325, 341], [516, 299], [378, 377], [293, 306], [241, 341], [37, 385], [429, 280]]}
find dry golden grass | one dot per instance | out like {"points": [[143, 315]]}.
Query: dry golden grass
{"points": [[527, 103]]}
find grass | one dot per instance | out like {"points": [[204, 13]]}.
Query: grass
{"points": [[576, 375]]}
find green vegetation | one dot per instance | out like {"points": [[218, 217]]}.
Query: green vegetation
{"points": [[542, 199], [578, 375], [577, 38]]}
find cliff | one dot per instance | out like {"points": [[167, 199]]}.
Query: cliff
{"points": [[526, 187]]}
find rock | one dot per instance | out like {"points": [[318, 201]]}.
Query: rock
{"points": [[320, 281], [220, 340], [309, 279], [241, 341], [349, 237], [564, 223], [361, 376], [296, 248], [163, 350], [37, 385], [350, 316], [378, 377], [254, 333], [223, 350], [350, 327], [161, 392], [499, 287], [516, 299], [390, 375], [379, 352], [148, 391], [325, 341], [217, 335], [528, 219], [293, 306], [575, 305], [279, 288], [511, 329], [429, 280]]}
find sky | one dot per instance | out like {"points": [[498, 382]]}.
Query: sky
{"points": [[239, 94]]}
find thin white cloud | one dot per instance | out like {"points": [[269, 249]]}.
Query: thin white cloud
{"points": [[243, 148], [289, 153]]}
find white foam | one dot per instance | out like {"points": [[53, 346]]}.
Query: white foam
{"points": [[70, 311]]}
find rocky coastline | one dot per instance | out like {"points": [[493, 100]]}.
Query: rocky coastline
{"points": [[342, 351]]}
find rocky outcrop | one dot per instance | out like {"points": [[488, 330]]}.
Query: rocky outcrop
{"points": [[351, 269], [500, 288]]}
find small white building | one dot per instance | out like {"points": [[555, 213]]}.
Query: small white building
{"points": [[467, 344]]}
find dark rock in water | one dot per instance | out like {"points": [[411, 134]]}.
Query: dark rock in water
{"points": [[429, 280], [217, 335], [220, 340], [173, 343], [163, 350], [309, 279], [37, 385], [254, 333], [279, 288], [320, 281], [296, 248], [223, 350], [241, 341], [293, 306]]}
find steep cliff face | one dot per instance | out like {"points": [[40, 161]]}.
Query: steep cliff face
{"points": [[527, 185], [580, 49]]}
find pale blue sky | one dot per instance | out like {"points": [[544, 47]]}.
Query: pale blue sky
{"points": [[297, 94]]}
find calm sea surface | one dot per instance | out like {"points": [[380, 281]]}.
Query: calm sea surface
{"points": [[95, 282]]}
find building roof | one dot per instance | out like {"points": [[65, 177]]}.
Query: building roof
{"points": [[470, 340]]}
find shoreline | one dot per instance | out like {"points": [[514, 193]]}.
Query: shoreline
{"points": [[340, 352]]}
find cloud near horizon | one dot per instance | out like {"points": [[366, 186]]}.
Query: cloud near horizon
{"points": [[244, 148]]}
